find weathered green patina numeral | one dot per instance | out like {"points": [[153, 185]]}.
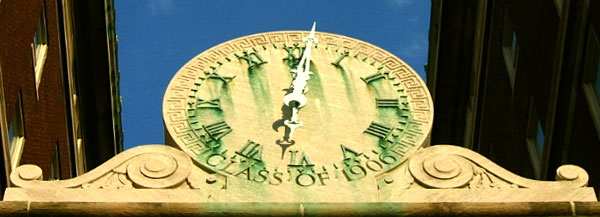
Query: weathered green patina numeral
{"points": [[215, 75], [387, 102], [217, 130], [337, 62], [378, 130], [212, 103], [251, 150], [304, 160], [293, 54], [350, 156], [253, 59], [372, 77]]}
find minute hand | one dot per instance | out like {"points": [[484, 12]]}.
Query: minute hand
{"points": [[295, 98]]}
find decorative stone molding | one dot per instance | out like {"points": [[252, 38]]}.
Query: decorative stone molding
{"points": [[144, 167], [447, 166], [158, 173]]}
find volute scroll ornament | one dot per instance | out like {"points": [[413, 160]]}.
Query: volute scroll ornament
{"points": [[448, 166], [150, 166]]}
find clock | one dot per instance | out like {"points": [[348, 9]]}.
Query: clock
{"points": [[299, 108]]}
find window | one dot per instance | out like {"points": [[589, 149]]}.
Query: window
{"points": [[597, 85], [39, 47], [55, 167], [591, 77], [535, 139], [513, 44], [559, 6], [510, 47], [16, 134], [539, 138]]}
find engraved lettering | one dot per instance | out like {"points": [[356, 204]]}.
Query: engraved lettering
{"points": [[262, 176], [244, 171], [355, 172], [226, 167], [210, 160], [323, 176], [277, 177], [374, 166], [305, 179], [387, 159]]}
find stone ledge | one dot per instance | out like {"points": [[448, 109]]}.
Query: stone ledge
{"points": [[161, 174], [394, 196], [28, 208]]}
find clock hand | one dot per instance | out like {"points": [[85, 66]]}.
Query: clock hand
{"points": [[296, 98]]}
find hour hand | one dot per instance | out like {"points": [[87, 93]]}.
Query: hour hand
{"points": [[292, 125], [293, 122]]}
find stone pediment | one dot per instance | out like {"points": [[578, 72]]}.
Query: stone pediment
{"points": [[159, 173]]}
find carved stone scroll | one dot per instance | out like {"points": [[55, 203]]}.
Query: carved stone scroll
{"points": [[158, 173], [447, 166], [150, 166]]}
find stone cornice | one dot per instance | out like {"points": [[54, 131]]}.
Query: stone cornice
{"points": [[158, 173]]}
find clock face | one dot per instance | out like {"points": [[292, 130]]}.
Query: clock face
{"points": [[356, 110]]}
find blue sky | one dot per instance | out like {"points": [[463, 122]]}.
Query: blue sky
{"points": [[157, 37]]}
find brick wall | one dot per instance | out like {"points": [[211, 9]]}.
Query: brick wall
{"points": [[45, 123]]}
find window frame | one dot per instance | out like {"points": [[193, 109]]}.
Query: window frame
{"points": [[511, 56], [39, 47], [54, 173], [536, 156], [559, 4], [14, 146], [591, 69]]}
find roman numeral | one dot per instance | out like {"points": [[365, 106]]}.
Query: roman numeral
{"points": [[387, 102], [294, 52], [225, 79], [378, 130], [251, 150], [304, 160], [253, 59], [372, 77], [350, 155], [217, 130], [215, 75], [212, 103], [337, 62]]}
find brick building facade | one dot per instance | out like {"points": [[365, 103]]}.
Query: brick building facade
{"points": [[518, 82], [59, 86]]}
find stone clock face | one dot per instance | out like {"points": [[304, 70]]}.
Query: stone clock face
{"points": [[365, 110]]}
